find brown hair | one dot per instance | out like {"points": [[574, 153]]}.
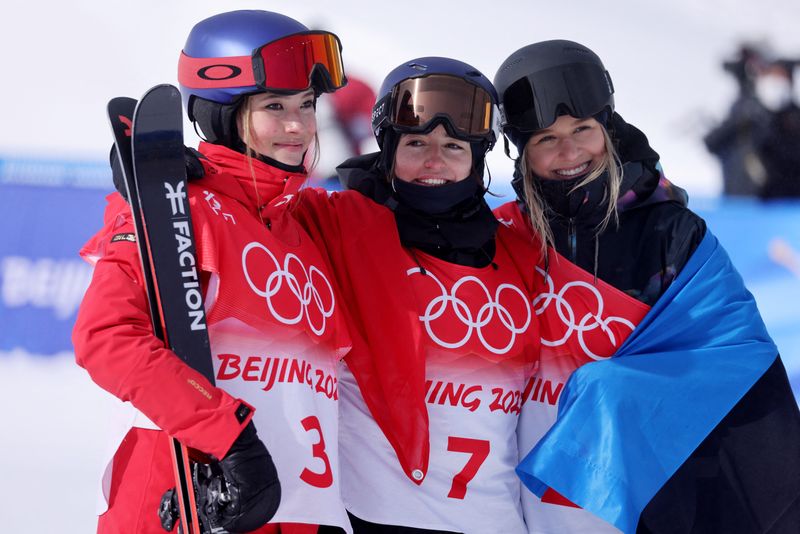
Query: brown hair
{"points": [[535, 204]]}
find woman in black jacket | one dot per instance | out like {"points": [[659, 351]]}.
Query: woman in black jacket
{"points": [[616, 236]]}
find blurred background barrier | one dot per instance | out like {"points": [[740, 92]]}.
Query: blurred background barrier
{"points": [[48, 209]]}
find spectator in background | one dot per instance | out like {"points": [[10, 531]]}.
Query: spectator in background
{"points": [[779, 147], [734, 140], [353, 107], [758, 144], [345, 129]]}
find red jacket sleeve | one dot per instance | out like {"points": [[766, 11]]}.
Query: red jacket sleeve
{"points": [[114, 341]]}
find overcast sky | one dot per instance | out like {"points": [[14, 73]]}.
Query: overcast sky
{"points": [[62, 61]]}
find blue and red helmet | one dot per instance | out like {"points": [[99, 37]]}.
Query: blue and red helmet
{"points": [[422, 93], [233, 54]]}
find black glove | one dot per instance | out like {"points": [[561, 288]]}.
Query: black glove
{"points": [[239, 493], [191, 158], [168, 511], [247, 494]]}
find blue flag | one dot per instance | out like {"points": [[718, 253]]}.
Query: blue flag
{"points": [[626, 424]]}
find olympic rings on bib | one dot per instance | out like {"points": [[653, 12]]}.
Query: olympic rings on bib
{"points": [[590, 321], [473, 321], [307, 293]]}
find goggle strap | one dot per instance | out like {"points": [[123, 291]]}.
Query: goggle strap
{"points": [[215, 73], [380, 112]]}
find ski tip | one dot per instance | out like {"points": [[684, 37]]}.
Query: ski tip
{"points": [[163, 90], [160, 98], [121, 105], [120, 114], [121, 101], [159, 113]]}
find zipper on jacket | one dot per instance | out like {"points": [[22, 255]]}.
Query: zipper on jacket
{"points": [[572, 239]]}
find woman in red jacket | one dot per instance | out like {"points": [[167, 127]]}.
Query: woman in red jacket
{"points": [[444, 337], [250, 80]]}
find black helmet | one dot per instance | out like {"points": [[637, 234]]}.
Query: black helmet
{"points": [[541, 81]]}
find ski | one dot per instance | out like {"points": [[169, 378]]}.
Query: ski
{"points": [[149, 144], [120, 114]]}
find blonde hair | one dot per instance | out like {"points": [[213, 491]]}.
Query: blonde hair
{"points": [[537, 208]]}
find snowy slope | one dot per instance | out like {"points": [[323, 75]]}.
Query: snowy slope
{"points": [[52, 436]]}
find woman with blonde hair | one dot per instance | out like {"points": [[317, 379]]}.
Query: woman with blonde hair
{"points": [[666, 428]]}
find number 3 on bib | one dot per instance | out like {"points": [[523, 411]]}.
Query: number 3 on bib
{"points": [[318, 480], [478, 449]]}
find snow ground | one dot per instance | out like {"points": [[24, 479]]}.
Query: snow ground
{"points": [[53, 436]]}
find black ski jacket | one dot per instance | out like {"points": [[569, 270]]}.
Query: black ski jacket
{"points": [[720, 487]]}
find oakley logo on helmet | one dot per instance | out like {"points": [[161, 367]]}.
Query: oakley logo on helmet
{"points": [[227, 72]]}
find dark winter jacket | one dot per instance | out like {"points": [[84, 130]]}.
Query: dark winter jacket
{"points": [[656, 233], [720, 487], [735, 143], [780, 153]]}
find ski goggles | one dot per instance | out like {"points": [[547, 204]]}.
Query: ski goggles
{"points": [[286, 64], [537, 100], [415, 105]]}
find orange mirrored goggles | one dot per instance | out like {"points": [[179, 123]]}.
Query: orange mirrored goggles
{"points": [[291, 63], [417, 103]]}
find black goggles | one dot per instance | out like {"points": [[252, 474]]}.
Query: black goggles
{"points": [[416, 105], [537, 100]]}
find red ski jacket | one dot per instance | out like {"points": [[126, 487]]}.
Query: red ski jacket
{"points": [[113, 335]]}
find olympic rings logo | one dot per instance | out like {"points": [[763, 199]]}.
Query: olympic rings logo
{"points": [[566, 314], [474, 322], [307, 294]]}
